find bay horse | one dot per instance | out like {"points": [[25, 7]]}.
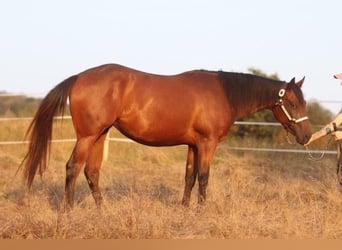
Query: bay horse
{"points": [[194, 108]]}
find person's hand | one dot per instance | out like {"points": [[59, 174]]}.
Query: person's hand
{"points": [[337, 135], [317, 135], [309, 141]]}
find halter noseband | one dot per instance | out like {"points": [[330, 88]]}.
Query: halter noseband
{"points": [[280, 103]]}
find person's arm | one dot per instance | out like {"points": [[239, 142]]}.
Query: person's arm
{"points": [[329, 128]]}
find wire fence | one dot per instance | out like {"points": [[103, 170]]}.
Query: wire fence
{"points": [[126, 140]]}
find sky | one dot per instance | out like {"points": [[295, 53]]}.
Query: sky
{"points": [[43, 42]]}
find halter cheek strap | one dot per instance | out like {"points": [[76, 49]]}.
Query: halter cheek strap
{"points": [[283, 108]]}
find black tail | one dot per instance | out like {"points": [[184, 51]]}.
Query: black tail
{"points": [[40, 129]]}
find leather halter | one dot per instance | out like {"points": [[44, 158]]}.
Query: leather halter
{"points": [[280, 103]]}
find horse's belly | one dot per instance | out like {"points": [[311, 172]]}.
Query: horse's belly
{"points": [[156, 133]]}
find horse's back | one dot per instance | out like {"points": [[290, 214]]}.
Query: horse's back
{"points": [[150, 108]]}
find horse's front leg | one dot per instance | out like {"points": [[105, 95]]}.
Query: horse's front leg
{"points": [[191, 170], [206, 151]]}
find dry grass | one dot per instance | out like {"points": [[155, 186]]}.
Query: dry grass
{"points": [[250, 195]]}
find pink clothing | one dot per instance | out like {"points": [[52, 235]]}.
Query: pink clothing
{"points": [[338, 76]]}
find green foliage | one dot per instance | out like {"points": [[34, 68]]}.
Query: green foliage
{"points": [[18, 106], [259, 72], [255, 130], [318, 114]]}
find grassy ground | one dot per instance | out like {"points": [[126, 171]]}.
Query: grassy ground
{"points": [[250, 195]]}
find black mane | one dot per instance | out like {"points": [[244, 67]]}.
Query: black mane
{"points": [[247, 90]]}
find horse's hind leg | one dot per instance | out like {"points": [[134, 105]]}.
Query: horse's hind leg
{"points": [[74, 166], [92, 169]]}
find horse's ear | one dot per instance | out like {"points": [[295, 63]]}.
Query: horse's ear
{"points": [[291, 83], [300, 83]]}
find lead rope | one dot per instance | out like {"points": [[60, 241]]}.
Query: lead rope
{"points": [[312, 158]]}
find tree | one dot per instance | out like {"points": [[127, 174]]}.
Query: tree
{"points": [[318, 114], [16, 106]]}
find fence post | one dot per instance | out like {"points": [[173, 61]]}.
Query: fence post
{"points": [[106, 147]]}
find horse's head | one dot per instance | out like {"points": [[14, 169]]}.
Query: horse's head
{"points": [[290, 111]]}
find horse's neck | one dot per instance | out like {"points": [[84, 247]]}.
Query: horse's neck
{"points": [[257, 98]]}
